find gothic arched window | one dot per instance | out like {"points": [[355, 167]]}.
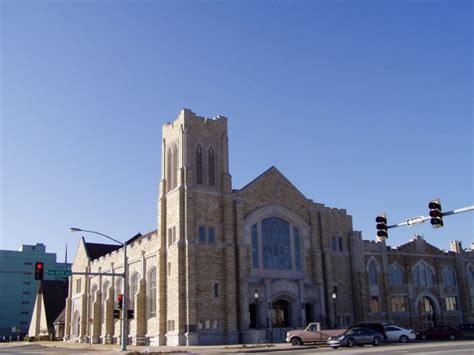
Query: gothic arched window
{"points": [[395, 275], [199, 165], [212, 168], [422, 275], [373, 273], [105, 296], [152, 292], [175, 166], [169, 169], [133, 290], [449, 277]]}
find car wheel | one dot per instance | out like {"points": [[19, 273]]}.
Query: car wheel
{"points": [[404, 339], [335, 347], [376, 341], [361, 345], [452, 336], [423, 337], [350, 343], [296, 341]]}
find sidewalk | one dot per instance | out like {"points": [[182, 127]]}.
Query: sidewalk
{"points": [[131, 349]]}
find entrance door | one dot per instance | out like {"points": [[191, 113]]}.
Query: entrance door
{"points": [[309, 312], [427, 314], [252, 316], [280, 314]]}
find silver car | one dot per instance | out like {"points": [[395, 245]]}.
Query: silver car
{"points": [[356, 336]]}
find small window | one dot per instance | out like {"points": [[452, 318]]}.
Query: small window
{"points": [[200, 324], [211, 235], [169, 268], [374, 304], [215, 324], [174, 235], [216, 290], [78, 285], [451, 303], [170, 237], [26, 292], [399, 304], [25, 302], [24, 312], [340, 243], [202, 234], [208, 324]]}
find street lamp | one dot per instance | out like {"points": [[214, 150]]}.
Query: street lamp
{"points": [[124, 275], [256, 295], [334, 297]]}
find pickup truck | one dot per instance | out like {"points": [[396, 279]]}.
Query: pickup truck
{"points": [[311, 334]]}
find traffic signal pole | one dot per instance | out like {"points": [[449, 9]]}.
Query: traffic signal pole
{"points": [[421, 219]]}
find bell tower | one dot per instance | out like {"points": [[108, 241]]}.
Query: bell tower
{"points": [[195, 219]]}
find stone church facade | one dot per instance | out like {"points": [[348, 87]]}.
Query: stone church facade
{"points": [[230, 266]]}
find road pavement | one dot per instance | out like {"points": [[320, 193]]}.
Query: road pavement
{"points": [[458, 347]]}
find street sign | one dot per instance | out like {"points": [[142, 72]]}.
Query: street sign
{"points": [[415, 220], [59, 272]]}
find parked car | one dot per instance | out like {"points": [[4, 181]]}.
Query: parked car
{"points": [[396, 333], [440, 332], [356, 336], [378, 327], [467, 329], [310, 334]]}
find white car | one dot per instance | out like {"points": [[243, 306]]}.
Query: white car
{"points": [[396, 333]]}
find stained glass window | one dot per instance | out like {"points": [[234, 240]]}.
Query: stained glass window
{"points": [[297, 248], [255, 247], [395, 275], [449, 278], [276, 244], [372, 273]]}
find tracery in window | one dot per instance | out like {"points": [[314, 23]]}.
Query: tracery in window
{"points": [[422, 275], [395, 275], [276, 244], [449, 277], [373, 274]]}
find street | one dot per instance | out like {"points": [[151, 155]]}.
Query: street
{"points": [[462, 347]]}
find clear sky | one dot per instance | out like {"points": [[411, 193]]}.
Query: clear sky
{"points": [[363, 105]]}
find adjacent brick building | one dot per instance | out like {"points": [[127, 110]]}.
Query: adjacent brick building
{"points": [[229, 266]]}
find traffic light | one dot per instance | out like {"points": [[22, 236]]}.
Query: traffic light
{"points": [[382, 229], [436, 213], [120, 301], [39, 270]]}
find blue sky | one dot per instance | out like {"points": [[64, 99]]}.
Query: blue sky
{"points": [[363, 105]]}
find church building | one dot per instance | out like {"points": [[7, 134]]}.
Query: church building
{"points": [[229, 266]]}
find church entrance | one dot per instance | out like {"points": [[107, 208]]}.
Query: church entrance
{"points": [[426, 312], [309, 313], [280, 314]]}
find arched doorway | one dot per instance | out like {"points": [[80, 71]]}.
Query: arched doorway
{"points": [[252, 316], [280, 314], [427, 313], [309, 313]]}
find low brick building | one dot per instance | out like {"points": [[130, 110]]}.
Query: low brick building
{"points": [[229, 266]]}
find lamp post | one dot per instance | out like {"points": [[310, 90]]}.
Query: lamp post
{"points": [[124, 275], [334, 297], [256, 295]]}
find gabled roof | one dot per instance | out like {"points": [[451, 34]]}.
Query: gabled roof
{"points": [[54, 298], [268, 171], [96, 250], [61, 318]]}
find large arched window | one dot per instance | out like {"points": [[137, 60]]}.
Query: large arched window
{"points": [[449, 277], [169, 169], [276, 243], [152, 292], [212, 168], [372, 268], [422, 275], [199, 165], [133, 289], [175, 166], [172, 167], [395, 275]]}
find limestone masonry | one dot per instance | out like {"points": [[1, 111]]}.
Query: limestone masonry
{"points": [[232, 266]]}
